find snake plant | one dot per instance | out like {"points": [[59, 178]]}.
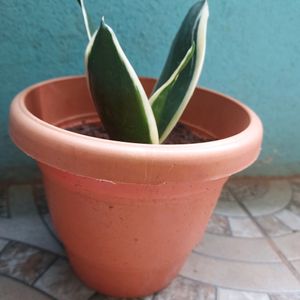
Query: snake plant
{"points": [[125, 111]]}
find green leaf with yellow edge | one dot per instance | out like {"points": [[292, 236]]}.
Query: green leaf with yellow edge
{"points": [[168, 109], [118, 94]]}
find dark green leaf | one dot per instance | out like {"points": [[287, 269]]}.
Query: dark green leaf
{"points": [[168, 110], [119, 97]]}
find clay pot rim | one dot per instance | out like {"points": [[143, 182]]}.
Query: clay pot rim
{"points": [[253, 121], [248, 139]]}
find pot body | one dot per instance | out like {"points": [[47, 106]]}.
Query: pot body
{"points": [[129, 214], [128, 240]]}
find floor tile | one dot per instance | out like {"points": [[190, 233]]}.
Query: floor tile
{"points": [[228, 206], [237, 249], [224, 294], [288, 218], [13, 290], [40, 199], [296, 264], [287, 296], [249, 189], [186, 289], [244, 227], [296, 197], [272, 277], [296, 190], [295, 208], [48, 221], [218, 225], [295, 184], [4, 211], [24, 262], [60, 282], [289, 245], [266, 202], [3, 243], [273, 226], [25, 224], [42, 207]]}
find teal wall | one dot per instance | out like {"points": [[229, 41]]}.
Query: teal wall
{"points": [[253, 54]]}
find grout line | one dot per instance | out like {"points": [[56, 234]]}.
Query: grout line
{"points": [[33, 246], [283, 258], [55, 259], [216, 293], [239, 260], [259, 216], [4, 248], [252, 238], [227, 217], [28, 285], [224, 287]]}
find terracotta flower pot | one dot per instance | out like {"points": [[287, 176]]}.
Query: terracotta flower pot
{"points": [[129, 214]]}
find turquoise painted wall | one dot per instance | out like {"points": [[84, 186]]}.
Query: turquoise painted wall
{"points": [[253, 55]]}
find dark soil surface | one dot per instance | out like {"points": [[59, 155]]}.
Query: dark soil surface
{"points": [[181, 134]]}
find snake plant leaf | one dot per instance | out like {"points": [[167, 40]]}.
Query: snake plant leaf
{"points": [[168, 110], [87, 20], [161, 95], [118, 94]]}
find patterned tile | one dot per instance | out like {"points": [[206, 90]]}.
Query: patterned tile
{"points": [[11, 289], [224, 294], [269, 277], [287, 296], [295, 185], [244, 227], [24, 262], [289, 245], [228, 206], [296, 192], [186, 289], [226, 195], [237, 249], [295, 208], [40, 199], [289, 218], [273, 226], [25, 224], [277, 196], [61, 283], [296, 197], [42, 207], [3, 243], [296, 265], [4, 208], [49, 224], [249, 189], [218, 225]]}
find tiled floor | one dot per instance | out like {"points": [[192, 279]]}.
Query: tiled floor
{"points": [[251, 249]]}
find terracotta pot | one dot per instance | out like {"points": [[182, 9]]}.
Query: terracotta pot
{"points": [[129, 214]]}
